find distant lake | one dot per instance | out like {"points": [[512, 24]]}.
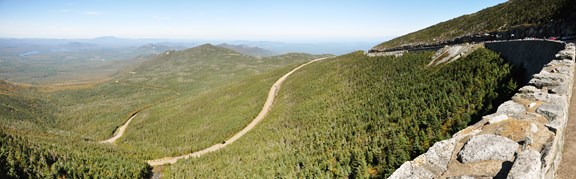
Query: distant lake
{"points": [[29, 53], [59, 50]]}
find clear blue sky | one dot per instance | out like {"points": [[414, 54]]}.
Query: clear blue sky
{"points": [[286, 20]]}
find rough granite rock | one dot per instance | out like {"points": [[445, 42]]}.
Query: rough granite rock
{"points": [[565, 54], [541, 96], [547, 79], [526, 166], [529, 89], [434, 161], [461, 177], [469, 177], [558, 67], [438, 156], [551, 111], [411, 170], [561, 90], [488, 147], [510, 107], [495, 118], [465, 133]]}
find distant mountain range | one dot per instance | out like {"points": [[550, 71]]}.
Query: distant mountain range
{"points": [[248, 50], [156, 49], [337, 48]]}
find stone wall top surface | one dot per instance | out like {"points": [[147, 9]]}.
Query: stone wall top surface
{"points": [[523, 139]]}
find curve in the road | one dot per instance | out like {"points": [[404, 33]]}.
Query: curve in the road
{"points": [[120, 132], [265, 109]]}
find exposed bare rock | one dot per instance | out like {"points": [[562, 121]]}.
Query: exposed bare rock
{"points": [[450, 53], [551, 111], [541, 96], [488, 147], [433, 162], [411, 170], [469, 177], [496, 118], [526, 166], [529, 89], [548, 79], [510, 107], [438, 156]]}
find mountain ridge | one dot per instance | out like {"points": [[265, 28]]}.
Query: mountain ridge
{"points": [[248, 50], [510, 20]]}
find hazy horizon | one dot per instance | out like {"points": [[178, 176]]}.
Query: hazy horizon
{"points": [[227, 20]]}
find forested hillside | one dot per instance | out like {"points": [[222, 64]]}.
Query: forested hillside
{"points": [[187, 100], [358, 116], [523, 18], [166, 78], [32, 147], [50, 156]]}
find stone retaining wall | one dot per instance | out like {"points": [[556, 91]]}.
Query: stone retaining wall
{"points": [[385, 54], [523, 139], [530, 55]]}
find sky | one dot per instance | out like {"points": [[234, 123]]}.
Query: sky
{"points": [[265, 20]]}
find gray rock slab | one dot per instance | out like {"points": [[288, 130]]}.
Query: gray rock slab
{"points": [[411, 170], [438, 156], [495, 118], [541, 96], [529, 89], [510, 107], [526, 166], [552, 112], [488, 147], [548, 79]]}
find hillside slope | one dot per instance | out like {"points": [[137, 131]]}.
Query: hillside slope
{"points": [[512, 19], [175, 75], [32, 146], [187, 100], [357, 116], [21, 109]]}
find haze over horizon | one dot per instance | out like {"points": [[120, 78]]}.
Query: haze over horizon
{"points": [[259, 20]]}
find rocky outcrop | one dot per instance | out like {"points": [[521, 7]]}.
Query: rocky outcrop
{"points": [[523, 139], [451, 53]]}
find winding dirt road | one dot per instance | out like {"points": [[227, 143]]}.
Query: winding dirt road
{"points": [[120, 131], [265, 109]]}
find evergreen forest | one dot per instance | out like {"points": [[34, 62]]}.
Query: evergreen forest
{"points": [[358, 116]]}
